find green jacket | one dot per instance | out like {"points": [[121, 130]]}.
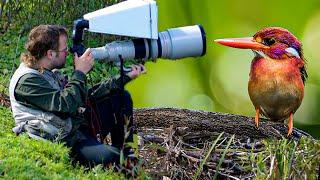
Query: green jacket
{"points": [[37, 93]]}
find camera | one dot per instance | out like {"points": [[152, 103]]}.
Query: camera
{"points": [[147, 44]]}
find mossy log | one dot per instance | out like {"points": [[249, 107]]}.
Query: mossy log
{"points": [[197, 121], [183, 138]]}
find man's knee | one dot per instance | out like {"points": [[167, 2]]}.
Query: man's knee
{"points": [[99, 154], [107, 154]]}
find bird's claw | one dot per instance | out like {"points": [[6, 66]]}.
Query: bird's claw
{"points": [[257, 117], [256, 121], [290, 125]]}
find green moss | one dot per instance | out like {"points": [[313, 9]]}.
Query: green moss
{"points": [[25, 158]]}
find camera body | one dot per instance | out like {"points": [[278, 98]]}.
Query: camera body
{"points": [[147, 44]]}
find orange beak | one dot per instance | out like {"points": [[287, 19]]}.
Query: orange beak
{"points": [[242, 43]]}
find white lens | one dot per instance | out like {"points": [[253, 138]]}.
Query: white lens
{"points": [[175, 43]]}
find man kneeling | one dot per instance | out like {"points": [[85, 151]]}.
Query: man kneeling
{"points": [[48, 106]]}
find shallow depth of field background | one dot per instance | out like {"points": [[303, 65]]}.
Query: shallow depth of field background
{"points": [[218, 81]]}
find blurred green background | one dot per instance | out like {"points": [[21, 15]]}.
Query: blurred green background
{"points": [[214, 82], [218, 81]]}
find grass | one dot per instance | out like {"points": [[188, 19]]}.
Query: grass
{"points": [[25, 158], [207, 156], [287, 159], [222, 157]]}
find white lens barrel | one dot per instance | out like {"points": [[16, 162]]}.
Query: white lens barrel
{"points": [[189, 41], [99, 53], [175, 43], [111, 51]]}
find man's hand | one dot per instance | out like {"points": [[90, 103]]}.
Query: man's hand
{"points": [[136, 70], [85, 62]]}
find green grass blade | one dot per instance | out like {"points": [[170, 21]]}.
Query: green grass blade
{"points": [[207, 156], [291, 158], [222, 157]]}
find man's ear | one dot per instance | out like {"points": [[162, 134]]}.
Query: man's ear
{"points": [[50, 54]]}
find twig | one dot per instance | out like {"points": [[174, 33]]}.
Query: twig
{"points": [[226, 175], [193, 159], [271, 167]]}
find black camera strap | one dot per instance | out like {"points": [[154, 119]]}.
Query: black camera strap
{"points": [[122, 83]]}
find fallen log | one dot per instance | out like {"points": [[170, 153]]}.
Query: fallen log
{"points": [[197, 121], [186, 136]]}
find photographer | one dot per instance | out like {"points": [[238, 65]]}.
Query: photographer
{"points": [[48, 106]]}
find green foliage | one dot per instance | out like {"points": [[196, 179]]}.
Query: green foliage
{"points": [[23, 15], [17, 18], [11, 46]]}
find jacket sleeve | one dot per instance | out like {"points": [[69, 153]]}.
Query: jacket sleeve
{"points": [[33, 90], [105, 88]]}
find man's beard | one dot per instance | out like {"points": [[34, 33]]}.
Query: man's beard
{"points": [[59, 66]]}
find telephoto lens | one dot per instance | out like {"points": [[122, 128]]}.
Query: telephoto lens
{"points": [[172, 44]]}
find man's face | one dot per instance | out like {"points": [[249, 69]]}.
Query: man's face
{"points": [[59, 58]]}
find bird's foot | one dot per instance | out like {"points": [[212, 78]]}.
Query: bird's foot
{"points": [[290, 125], [257, 117]]}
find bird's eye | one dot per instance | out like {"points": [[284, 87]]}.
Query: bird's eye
{"points": [[268, 41]]}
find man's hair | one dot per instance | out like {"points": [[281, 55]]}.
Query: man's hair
{"points": [[41, 39]]}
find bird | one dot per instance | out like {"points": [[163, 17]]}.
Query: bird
{"points": [[277, 75]]}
